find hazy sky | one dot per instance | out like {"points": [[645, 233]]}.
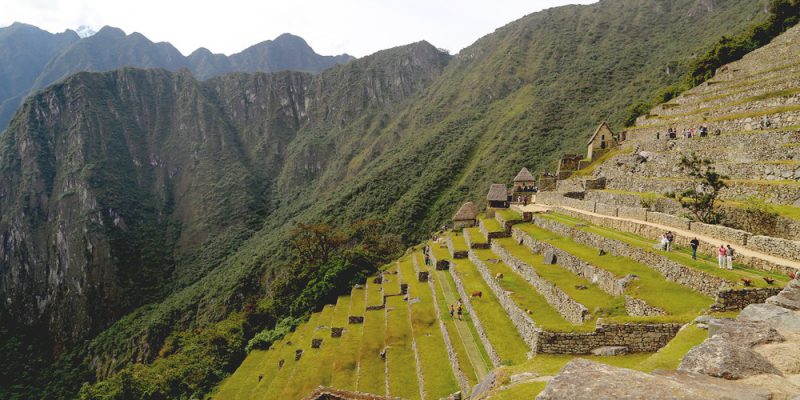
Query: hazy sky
{"points": [[358, 27]]}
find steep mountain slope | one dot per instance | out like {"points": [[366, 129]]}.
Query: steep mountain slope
{"points": [[225, 166], [37, 58]]}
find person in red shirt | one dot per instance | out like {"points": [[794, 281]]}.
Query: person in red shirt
{"points": [[723, 253]]}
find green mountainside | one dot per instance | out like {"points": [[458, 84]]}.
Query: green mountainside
{"points": [[141, 208]]}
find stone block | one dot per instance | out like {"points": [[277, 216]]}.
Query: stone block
{"points": [[404, 288], [378, 279], [442, 265], [610, 350], [422, 276], [550, 257], [316, 343], [355, 319], [336, 332], [297, 354]]}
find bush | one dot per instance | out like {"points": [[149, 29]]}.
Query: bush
{"points": [[264, 339]]}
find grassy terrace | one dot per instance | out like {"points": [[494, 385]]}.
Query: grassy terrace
{"points": [[439, 380], [682, 255], [491, 225], [459, 243], [345, 364], [400, 359], [526, 297], [475, 235], [600, 303], [245, 378], [282, 375], [669, 357], [527, 390], [305, 375], [676, 300], [472, 357], [372, 371], [509, 214], [501, 331]]}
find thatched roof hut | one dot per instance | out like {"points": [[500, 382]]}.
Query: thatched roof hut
{"points": [[524, 176], [467, 212], [497, 192]]}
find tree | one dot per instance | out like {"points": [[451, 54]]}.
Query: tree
{"points": [[701, 199]]}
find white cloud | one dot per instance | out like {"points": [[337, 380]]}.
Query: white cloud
{"points": [[358, 27]]}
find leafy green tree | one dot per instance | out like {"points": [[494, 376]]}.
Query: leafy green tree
{"points": [[701, 199]]}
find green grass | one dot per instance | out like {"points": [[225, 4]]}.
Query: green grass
{"points": [[459, 243], [400, 358], [345, 364], [438, 379], [491, 225], [669, 357], [509, 214], [680, 254], [527, 298], [500, 330], [475, 235], [472, 357], [551, 364], [650, 287], [525, 390], [284, 374], [764, 96], [589, 170], [372, 375], [599, 303], [305, 376]]}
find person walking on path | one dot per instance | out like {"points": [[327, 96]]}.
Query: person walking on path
{"points": [[452, 310], [695, 244], [670, 239], [459, 311], [723, 253], [730, 257]]}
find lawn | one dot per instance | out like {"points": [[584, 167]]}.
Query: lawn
{"points": [[670, 356], [509, 214], [299, 341], [400, 358], [491, 225], [651, 287], [343, 372], [438, 380], [372, 370], [475, 235], [306, 377], [500, 330], [600, 303], [680, 254], [459, 243], [527, 298]]}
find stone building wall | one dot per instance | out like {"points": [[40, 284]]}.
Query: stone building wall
{"points": [[737, 299], [605, 280], [639, 338], [570, 309], [606, 209], [729, 235], [632, 212], [522, 321], [669, 220]]}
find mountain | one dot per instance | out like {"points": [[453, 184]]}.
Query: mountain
{"points": [[85, 31], [153, 189], [35, 59]]}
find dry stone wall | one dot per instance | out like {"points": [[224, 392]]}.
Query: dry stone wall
{"points": [[639, 308], [738, 299], [789, 249], [524, 324], [639, 338], [570, 309], [669, 220], [724, 233]]}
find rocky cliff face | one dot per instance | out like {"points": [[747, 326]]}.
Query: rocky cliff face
{"points": [[34, 59], [120, 187]]}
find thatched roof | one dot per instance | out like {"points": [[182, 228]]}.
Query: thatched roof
{"points": [[524, 176], [599, 128], [497, 192], [467, 212]]}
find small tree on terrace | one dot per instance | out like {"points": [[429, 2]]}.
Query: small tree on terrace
{"points": [[700, 200]]}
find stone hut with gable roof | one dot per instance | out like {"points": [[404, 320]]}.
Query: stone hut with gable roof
{"points": [[466, 217], [524, 179], [602, 139], [497, 196]]}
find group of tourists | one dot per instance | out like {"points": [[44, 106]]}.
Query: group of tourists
{"points": [[524, 199], [724, 253], [456, 309], [688, 133], [527, 189]]}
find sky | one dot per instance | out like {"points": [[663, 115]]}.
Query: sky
{"points": [[356, 27]]}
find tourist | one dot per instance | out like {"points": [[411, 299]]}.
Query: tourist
{"points": [[703, 131], [664, 242], [459, 311], [730, 257], [670, 238], [658, 135], [723, 253], [452, 310], [695, 244]]}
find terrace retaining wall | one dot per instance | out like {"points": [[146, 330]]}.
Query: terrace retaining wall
{"points": [[639, 338], [475, 320]]}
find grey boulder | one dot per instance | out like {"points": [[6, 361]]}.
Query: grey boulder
{"points": [[724, 359]]}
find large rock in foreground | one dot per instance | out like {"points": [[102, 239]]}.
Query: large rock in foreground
{"points": [[725, 359], [775, 316], [583, 379]]}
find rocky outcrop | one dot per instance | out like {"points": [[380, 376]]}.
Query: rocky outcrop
{"points": [[583, 379], [724, 358]]}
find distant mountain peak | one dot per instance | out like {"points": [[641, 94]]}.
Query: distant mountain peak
{"points": [[85, 31]]}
